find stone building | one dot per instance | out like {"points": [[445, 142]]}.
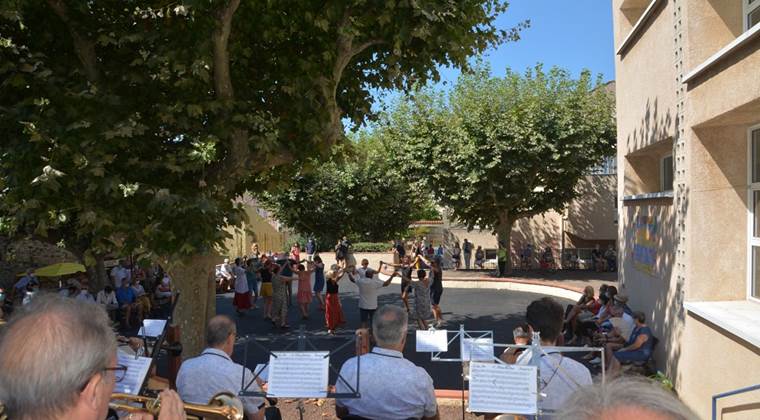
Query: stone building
{"points": [[688, 111]]}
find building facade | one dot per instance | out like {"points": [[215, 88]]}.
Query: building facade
{"points": [[688, 111]]}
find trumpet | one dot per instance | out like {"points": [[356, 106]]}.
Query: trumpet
{"points": [[222, 406]]}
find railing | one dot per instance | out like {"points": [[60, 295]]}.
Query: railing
{"points": [[716, 397]]}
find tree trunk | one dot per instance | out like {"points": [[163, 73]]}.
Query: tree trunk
{"points": [[99, 279], [193, 278], [504, 239]]}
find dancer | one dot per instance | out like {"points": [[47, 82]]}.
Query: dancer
{"points": [[334, 311], [280, 284], [304, 289], [422, 299], [319, 281], [406, 267], [436, 290], [369, 287], [265, 273], [242, 300], [456, 255]]}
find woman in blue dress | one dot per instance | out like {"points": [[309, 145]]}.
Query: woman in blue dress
{"points": [[319, 281]]}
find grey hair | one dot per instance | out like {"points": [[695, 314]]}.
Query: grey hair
{"points": [[598, 401], [219, 328], [389, 325], [49, 351]]}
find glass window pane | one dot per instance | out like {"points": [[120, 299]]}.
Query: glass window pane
{"points": [[755, 272], [753, 18], [755, 156]]}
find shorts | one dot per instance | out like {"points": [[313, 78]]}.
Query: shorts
{"points": [[266, 289], [435, 296], [365, 315], [632, 356]]}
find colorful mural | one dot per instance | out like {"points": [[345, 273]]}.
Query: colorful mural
{"points": [[644, 246]]}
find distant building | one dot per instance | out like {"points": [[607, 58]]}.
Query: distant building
{"points": [[688, 113], [262, 228]]}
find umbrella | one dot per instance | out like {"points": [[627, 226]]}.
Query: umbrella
{"points": [[59, 269]]}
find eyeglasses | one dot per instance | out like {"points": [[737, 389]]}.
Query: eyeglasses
{"points": [[119, 372]]}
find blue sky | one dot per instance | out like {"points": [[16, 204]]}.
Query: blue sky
{"points": [[573, 34]]}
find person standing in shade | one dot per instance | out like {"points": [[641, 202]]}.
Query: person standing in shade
{"points": [[467, 251], [295, 252], [456, 255], [252, 277], [311, 249], [319, 281]]}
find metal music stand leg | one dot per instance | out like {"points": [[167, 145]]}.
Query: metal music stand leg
{"points": [[463, 391]]}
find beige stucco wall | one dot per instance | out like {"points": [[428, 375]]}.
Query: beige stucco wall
{"points": [[592, 216], [717, 208], [257, 230], [720, 105], [717, 362]]}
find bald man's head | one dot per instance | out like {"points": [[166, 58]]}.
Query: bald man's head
{"points": [[219, 329]]}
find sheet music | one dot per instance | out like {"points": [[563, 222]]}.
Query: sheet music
{"points": [[298, 374], [137, 370], [477, 349], [432, 341], [502, 388], [263, 371], [152, 327]]}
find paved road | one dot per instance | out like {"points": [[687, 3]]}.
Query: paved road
{"points": [[477, 309]]}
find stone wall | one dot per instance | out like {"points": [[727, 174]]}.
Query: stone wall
{"points": [[17, 256]]}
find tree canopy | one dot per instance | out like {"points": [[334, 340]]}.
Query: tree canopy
{"points": [[356, 193], [500, 149], [129, 126]]}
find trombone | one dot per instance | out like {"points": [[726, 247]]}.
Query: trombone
{"points": [[223, 406]]}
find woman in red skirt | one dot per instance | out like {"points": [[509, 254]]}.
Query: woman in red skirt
{"points": [[333, 311], [242, 300]]}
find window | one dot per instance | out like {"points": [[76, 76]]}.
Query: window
{"points": [[666, 173], [751, 13], [754, 207]]}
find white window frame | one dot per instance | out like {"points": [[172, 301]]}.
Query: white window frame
{"points": [[746, 10], [752, 187], [662, 172]]}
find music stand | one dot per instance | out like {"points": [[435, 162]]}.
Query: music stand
{"points": [[301, 342], [537, 351]]}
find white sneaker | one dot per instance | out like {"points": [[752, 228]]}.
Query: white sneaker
{"points": [[596, 361]]}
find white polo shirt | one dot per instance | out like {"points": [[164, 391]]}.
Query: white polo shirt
{"points": [[241, 281], [391, 387], [202, 377], [369, 288], [560, 377]]}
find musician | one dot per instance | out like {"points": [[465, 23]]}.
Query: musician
{"points": [[202, 377], [392, 388], [58, 361]]}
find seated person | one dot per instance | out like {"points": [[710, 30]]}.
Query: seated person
{"points": [[599, 263], [202, 377], [66, 368], [392, 387], [621, 326], [141, 298], [19, 289], [560, 376], [626, 398], [585, 309], [164, 288], [525, 257], [84, 292], [107, 298], [125, 295], [547, 259], [639, 346]]}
